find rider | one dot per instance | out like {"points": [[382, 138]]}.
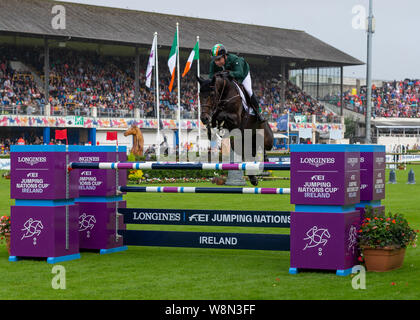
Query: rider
{"points": [[238, 68]]}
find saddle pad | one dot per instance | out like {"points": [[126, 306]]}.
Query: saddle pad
{"points": [[245, 105]]}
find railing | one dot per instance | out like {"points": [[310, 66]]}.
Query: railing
{"points": [[21, 110], [75, 110], [116, 113], [328, 119]]}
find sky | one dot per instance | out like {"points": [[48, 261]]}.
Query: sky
{"points": [[396, 41]]}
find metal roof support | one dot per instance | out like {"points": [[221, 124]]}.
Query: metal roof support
{"points": [[136, 79], [303, 79], [317, 83], [341, 91], [283, 85], [369, 75], [46, 74]]}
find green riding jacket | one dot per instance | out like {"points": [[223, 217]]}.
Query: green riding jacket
{"points": [[237, 66]]}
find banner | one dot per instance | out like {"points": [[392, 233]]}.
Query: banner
{"points": [[305, 133], [300, 119], [61, 134], [172, 60], [336, 134], [194, 55], [111, 135], [282, 123], [151, 63]]}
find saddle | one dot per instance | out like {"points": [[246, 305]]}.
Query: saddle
{"points": [[246, 99]]}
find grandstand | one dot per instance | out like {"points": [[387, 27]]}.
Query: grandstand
{"points": [[90, 77]]}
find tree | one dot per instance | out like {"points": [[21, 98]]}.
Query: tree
{"points": [[350, 132]]}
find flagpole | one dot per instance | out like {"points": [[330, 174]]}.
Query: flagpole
{"points": [[179, 92], [157, 98], [199, 106], [288, 132]]}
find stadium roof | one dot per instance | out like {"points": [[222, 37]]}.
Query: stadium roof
{"points": [[128, 27], [396, 123]]}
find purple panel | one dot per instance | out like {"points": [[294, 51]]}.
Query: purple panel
{"points": [[41, 175], [352, 177], [324, 178], [41, 231], [100, 182], [379, 210], [372, 178], [324, 241], [97, 225]]}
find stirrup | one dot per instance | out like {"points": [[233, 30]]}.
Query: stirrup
{"points": [[260, 117]]}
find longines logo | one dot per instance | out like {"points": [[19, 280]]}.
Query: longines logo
{"points": [[352, 161], [32, 160], [380, 160], [317, 162]]}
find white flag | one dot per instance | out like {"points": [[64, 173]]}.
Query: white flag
{"points": [[305, 133], [335, 134], [151, 63]]}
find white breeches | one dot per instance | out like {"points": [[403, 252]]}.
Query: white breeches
{"points": [[248, 84]]}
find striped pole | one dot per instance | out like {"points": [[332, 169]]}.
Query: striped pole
{"points": [[182, 166], [206, 190]]}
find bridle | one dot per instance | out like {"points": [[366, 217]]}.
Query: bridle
{"points": [[218, 106]]}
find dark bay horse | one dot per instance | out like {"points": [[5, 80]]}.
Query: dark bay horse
{"points": [[221, 107]]}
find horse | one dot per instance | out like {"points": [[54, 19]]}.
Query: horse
{"points": [[222, 107], [138, 140]]}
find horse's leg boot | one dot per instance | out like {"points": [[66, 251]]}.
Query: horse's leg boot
{"points": [[253, 180]]}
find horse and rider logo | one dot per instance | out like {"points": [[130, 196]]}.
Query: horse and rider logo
{"points": [[316, 237], [33, 229], [352, 238], [86, 222]]}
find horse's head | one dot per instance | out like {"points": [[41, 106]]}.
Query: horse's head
{"points": [[131, 131], [207, 99]]}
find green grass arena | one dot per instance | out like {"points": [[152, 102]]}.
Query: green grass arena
{"points": [[160, 273]]}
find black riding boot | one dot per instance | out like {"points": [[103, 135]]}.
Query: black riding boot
{"points": [[255, 106]]}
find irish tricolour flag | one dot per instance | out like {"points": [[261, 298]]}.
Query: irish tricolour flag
{"points": [[172, 60], [194, 55]]}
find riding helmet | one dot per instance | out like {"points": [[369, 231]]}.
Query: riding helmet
{"points": [[218, 51]]}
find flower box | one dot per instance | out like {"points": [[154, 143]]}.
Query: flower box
{"points": [[383, 259]]}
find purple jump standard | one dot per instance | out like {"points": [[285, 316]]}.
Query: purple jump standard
{"points": [[372, 179], [98, 203], [325, 182], [94, 182], [44, 219]]}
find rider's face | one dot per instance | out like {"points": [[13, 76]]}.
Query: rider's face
{"points": [[220, 62]]}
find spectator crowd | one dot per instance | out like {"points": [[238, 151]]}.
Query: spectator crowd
{"points": [[395, 99], [80, 81]]}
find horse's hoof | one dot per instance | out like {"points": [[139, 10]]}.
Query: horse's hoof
{"points": [[253, 180]]}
